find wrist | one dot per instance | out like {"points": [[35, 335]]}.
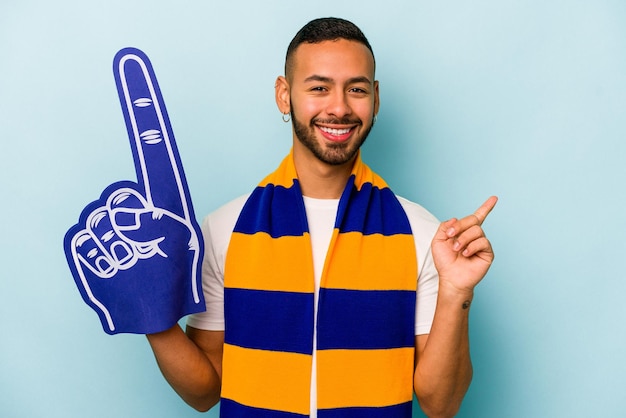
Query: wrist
{"points": [[448, 292]]}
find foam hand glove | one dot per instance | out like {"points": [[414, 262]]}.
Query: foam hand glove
{"points": [[136, 253]]}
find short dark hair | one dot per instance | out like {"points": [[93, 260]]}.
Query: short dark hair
{"points": [[325, 29]]}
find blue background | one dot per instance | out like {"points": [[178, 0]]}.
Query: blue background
{"points": [[523, 99]]}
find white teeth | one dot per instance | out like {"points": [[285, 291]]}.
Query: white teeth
{"points": [[335, 132]]}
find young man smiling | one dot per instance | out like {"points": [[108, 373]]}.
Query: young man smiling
{"points": [[327, 295]]}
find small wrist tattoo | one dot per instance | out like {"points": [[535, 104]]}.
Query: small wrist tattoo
{"points": [[466, 304]]}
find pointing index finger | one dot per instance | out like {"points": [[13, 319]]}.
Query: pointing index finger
{"points": [[484, 210], [157, 162]]}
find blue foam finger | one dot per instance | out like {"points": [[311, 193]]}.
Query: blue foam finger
{"points": [[136, 252]]}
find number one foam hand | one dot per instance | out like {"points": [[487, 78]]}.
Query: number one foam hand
{"points": [[136, 252]]}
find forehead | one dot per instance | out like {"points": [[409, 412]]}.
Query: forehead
{"points": [[333, 59]]}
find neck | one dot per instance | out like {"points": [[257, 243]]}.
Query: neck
{"points": [[318, 179]]}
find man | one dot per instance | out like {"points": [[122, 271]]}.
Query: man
{"points": [[327, 294]]}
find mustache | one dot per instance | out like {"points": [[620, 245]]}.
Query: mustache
{"points": [[337, 121]]}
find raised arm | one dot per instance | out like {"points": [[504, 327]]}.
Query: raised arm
{"points": [[443, 371]]}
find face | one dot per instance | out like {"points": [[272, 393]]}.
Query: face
{"points": [[333, 99]]}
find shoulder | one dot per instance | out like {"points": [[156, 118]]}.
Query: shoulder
{"points": [[419, 217], [231, 208], [219, 224], [424, 226]]}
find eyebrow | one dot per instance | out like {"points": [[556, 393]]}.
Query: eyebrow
{"points": [[324, 79]]}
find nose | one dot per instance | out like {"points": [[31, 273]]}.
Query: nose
{"points": [[338, 105]]}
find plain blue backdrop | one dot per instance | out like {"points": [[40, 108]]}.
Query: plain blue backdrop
{"points": [[522, 99]]}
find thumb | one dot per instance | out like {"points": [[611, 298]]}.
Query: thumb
{"points": [[443, 232], [126, 207]]}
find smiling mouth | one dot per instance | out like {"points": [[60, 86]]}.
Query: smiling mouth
{"points": [[336, 135], [335, 132]]}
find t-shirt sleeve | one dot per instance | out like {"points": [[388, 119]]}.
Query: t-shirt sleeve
{"points": [[217, 228], [424, 226], [427, 289], [212, 286]]}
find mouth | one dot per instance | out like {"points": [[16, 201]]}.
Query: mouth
{"points": [[336, 134]]}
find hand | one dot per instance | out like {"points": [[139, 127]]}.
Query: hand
{"points": [[461, 251], [136, 252]]}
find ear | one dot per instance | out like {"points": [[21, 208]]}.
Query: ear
{"points": [[376, 98], [282, 95]]}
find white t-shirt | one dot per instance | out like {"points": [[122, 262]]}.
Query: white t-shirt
{"points": [[218, 227]]}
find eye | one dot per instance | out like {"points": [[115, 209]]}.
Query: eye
{"points": [[358, 90]]}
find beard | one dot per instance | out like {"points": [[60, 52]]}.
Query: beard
{"points": [[333, 153]]}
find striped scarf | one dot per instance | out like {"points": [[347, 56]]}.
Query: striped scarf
{"points": [[366, 308]]}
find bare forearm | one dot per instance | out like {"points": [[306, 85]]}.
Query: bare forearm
{"points": [[444, 370], [186, 368]]}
